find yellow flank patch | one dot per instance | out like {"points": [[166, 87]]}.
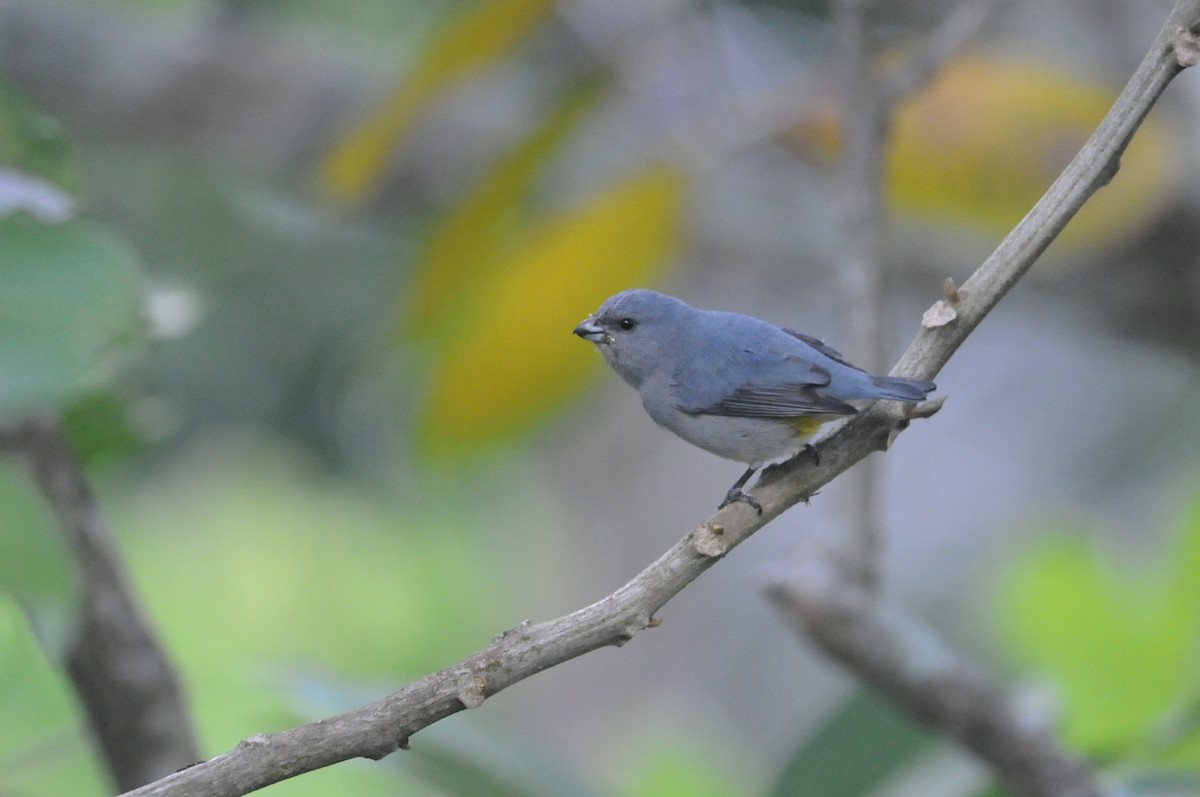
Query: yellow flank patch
{"points": [[807, 425]]}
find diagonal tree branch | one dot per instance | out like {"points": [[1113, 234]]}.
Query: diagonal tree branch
{"points": [[379, 728], [129, 689]]}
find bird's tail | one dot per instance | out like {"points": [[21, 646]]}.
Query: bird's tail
{"points": [[900, 389]]}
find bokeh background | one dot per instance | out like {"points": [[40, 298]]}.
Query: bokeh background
{"points": [[310, 330]]}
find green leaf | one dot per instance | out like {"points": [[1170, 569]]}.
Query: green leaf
{"points": [[101, 428], [34, 567], [675, 769], [70, 310], [42, 746], [866, 741], [1122, 645], [32, 143]]}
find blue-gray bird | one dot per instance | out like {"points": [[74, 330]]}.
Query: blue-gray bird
{"points": [[732, 384]]}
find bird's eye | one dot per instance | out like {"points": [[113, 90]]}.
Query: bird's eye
{"points": [[627, 324]]}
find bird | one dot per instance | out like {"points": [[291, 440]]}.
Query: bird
{"points": [[734, 385]]}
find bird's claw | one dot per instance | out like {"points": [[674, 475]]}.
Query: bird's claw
{"points": [[735, 495], [812, 451]]}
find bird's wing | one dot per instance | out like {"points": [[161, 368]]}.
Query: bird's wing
{"points": [[822, 347], [780, 401], [771, 385]]}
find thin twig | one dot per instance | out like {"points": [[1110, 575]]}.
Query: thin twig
{"points": [[128, 688], [870, 95], [377, 729], [866, 115]]}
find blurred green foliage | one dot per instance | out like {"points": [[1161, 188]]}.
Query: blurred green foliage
{"points": [[862, 744], [257, 568], [33, 143], [70, 311], [70, 307], [1120, 643], [43, 749], [34, 566]]}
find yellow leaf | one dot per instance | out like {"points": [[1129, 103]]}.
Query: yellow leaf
{"points": [[517, 360], [484, 34], [466, 244], [979, 146], [987, 138]]}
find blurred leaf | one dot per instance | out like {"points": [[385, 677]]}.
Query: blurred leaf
{"points": [[465, 760], [680, 770], [984, 140], [855, 751], [1122, 646], [34, 567], [100, 428], [516, 360], [70, 309], [470, 239], [31, 143], [43, 752], [988, 136], [486, 33], [255, 523]]}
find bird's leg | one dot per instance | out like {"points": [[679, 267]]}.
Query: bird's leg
{"points": [[735, 493]]}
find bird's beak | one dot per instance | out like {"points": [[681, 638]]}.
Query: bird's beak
{"points": [[588, 329]]}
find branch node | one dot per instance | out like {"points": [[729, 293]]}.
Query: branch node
{"points": [[951, 290], [1186, 46], [521, 629], [257, 740], [470, 689], [940, 314], [709, 540], [636, 623], [926, 409]]}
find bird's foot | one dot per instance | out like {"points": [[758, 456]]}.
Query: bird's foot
{"points": [[812, 451], [735, 495]]}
